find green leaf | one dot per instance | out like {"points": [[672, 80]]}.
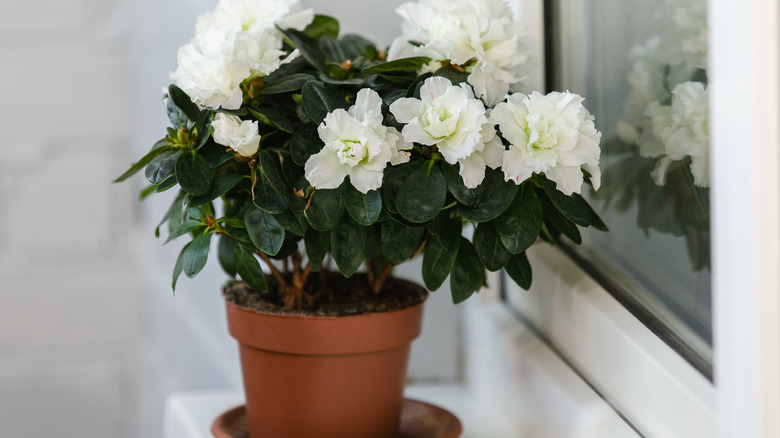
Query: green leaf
{"points": [[162, 166], [183, 101], [179, 266], [355, 45], [464, 195], [319, 99], [498, 196], [519, 226], [446, 228], [308, 47], [272, 119], [488, 244], [519, 270], [272, 171], [293, 82], [193, 173], [289, 247], [323, 26], [414, 89], [468, 274], [438, 260], [325, 209], [394, 179], [264, 230], [398, 65], [267, 199], [248, 268], [173, 215], [348, 243], [557, 219], [196, 255], [422, 195], [399, 242], [167, 184], [222, 184], [317, 245], [333, 53], [364, 208], [293, 219], [143, 162], [305, 143], [225, 250], [574, 207], [455, 76], [185, 228]]}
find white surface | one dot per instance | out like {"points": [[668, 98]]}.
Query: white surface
{"points": [[648, 382], [190, 414], [745, 71]]}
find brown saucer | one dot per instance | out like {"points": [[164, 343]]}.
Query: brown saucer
{"points": [[418, 420]]}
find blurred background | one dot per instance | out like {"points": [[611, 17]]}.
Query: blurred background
{"points": [[91, 337]]}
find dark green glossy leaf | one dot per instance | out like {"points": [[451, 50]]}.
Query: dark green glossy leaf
{"points": [[438, 260], [557, 219], [468, 274], [446, 228], [455, 76], [143, 162], [348, 243], [519, 270], [293, 219], [264, 230], [162, 166], [464, 195], [307, 46], [317, 245], [399, 242], [225, 250], [293, 82], [272, 171], [363, 208], [574, 207], [305, 143], [174, 215], [193, 173], [183, 101], [167, 184], [521, 223], [222, 184], [319, 99], [323, 26], [394, 179], [355, 45], [196, 255], [498, 196], [289, 247], [273, 119], [332, 51], [414, 89], [422, 195], [185, 228], [325, 209], [267, 199], [488, 244], [398, 65], [179, 266], [248, 268]]}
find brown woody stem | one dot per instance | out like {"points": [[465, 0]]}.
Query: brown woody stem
{"points": [[380, 281]]}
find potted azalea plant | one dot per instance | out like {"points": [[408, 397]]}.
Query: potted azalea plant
{"points": [[315, 162]]}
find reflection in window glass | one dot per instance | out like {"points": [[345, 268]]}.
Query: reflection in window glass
{"points": [[641, 65]]}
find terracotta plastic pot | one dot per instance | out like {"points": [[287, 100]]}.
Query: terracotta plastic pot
{"points": [[324, 377]]}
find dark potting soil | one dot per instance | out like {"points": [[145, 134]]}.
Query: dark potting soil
{"points": [[333, 295]]}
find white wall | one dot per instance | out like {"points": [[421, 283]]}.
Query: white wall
{"points": [[70, 325]]}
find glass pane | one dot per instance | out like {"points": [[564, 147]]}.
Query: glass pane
{"points": [[641, 66]]}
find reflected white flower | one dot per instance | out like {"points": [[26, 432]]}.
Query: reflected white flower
{"points": [[552, 134], [452, 119], [241, 136], [356, 145], [236, 41], [684, 39], [479, 35]]}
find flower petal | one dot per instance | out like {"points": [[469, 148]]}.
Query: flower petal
{"points": [[323, 170]]}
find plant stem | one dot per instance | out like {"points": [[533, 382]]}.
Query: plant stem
{"points": [[275, 272], [380, 281]]}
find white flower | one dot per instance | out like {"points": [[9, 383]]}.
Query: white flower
{"points": [[552, 134], [236, 41], [452, 119], [684, 38], [356, 145], [241, 136], [480, 35], [689, 132]]}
